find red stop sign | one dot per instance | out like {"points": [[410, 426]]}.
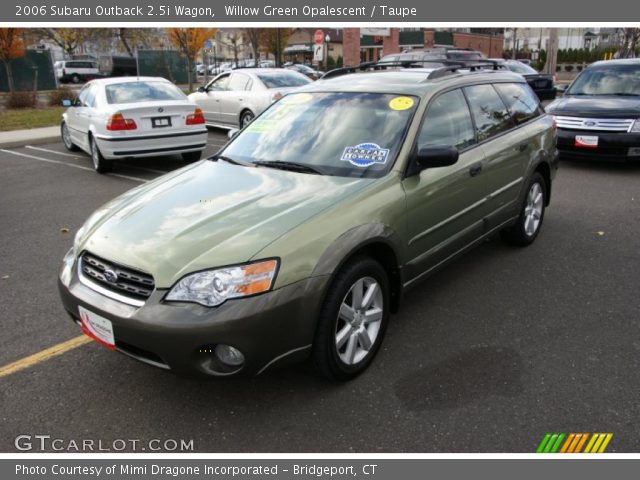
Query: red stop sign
{"points": [[318, 37]]}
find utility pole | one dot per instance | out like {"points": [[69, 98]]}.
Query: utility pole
{"points": [[552, 52], [514, 50]]}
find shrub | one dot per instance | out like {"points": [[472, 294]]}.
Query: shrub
{"points": [[558, 68], [568, 68], [21, 100], [579, 68], [55, 100], [339, 61]]}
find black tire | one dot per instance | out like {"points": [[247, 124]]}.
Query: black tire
{"points": [[100, 165], [66, 138], [75, 78], [520, 234], [191, 156], [325, 354], [246, 118]]}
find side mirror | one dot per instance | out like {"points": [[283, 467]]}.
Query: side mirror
{"points": [[232, 133], [66, 102], [434, 157], [202, 89]]}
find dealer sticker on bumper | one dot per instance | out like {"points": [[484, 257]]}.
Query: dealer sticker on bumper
{"points": [[634, 152], [97, 327], [586, 141]]}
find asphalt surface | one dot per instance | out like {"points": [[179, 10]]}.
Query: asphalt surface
{"points": [[488, 355]]}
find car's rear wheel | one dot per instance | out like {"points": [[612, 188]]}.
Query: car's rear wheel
{"points": [[66, 138], [100, 165], [352, 320], [246, 118], [191, 156], [529, 222], [75, 79]]}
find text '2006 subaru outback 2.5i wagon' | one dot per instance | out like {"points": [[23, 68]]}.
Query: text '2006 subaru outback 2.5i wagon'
{"points": [[299, 237]]}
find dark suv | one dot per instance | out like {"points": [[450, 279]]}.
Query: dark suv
{"points": [[599, 115]]}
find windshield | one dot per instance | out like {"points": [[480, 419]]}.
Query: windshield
{"points": [[283, 79], [614, 80], [343, 134], [135, 92], [520, 67]]}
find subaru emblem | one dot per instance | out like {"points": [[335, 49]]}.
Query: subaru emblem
{"points": [[110, 276]]}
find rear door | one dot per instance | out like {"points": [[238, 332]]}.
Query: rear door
{"points": [[235, 98], [505, 151], [77, 119], [445, 205], [209, 101]]}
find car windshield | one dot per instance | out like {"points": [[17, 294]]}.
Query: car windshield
{"points": [[520, 67], [283, 79], [342, 134], [135, 92], [613, 80]]}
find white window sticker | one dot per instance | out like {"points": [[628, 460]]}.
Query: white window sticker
{"points": [[365, 155]]}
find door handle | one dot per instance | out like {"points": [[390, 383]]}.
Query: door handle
{"points": [[475, 169], [522, 147]]}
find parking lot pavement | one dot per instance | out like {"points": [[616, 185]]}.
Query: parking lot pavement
{"points": [[486, 356]]}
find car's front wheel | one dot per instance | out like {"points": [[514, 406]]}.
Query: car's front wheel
{"points": [[100, 165], [66, 138], [352, 320], [529, 222]]}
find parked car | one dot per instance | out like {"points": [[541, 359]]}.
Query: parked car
{"points": [[312, 73], [120, 118], [599, 114], [200, 68], [434, 54], [542, 84], [76, 71], [298, 239], [233, 99], [118, 66]]}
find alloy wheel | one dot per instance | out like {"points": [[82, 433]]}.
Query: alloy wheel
{"points": [[533, 209]]}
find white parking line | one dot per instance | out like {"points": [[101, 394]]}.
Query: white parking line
{"points": [[48, 160], [64, 154]]}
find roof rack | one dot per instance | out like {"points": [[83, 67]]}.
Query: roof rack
{"points": [[447, 67]]}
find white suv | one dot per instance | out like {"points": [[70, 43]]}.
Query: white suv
{"points": [[76, 71]]}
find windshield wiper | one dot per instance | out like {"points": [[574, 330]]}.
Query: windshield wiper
{"points": [[623, 94], [231, 161], [292, 166]]}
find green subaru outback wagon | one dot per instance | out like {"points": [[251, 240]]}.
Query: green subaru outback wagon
{"points": [[299, 237]]}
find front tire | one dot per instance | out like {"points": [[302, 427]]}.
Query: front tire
{"points": [[529, 222], [100, 165], [352, 320], [66, 138], [191, 156]]}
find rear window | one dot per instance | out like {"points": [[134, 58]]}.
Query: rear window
{"points": [[520, 68], [282, 79], [135, 92], [488, 110], [521, 102]]}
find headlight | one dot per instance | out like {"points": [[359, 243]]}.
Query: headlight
{"points": [[213, 287], [636, 126]]}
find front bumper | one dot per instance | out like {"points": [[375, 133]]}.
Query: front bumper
{"points": [[126, 145], [273, 328], [613, 146]]}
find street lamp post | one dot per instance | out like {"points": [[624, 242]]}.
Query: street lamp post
{"points": [[327, 40]]}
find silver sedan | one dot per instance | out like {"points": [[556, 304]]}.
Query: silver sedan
{"points": [[233, 99]]}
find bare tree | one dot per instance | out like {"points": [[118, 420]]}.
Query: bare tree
{"points": [[253, 36], [631, 37]]}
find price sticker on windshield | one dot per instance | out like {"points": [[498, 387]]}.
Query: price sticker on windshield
{"points": [[401, 103], [365, 154]]}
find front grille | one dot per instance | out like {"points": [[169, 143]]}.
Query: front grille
{"points": [[126, 281], [595, 124]]}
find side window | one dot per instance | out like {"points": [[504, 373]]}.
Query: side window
{"points": [[238, 82], [220, 83], [72, 65], [447, 123], [90, 98], [488, 110], [521, 102]]}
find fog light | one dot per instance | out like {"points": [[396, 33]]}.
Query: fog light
{"points": [[229, 356]]}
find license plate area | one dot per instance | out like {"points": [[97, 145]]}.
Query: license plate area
{"points": [[161, 122], [97, 327], [634, 152], [586, 141]]}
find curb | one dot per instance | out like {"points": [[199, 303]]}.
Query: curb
{"points": [[31, 141]]}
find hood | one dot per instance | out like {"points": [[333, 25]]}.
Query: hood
{"points": [[207, 215], [596, 106]]}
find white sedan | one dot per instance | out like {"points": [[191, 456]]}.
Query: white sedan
{"points": [[233, 99], [117, 118]]}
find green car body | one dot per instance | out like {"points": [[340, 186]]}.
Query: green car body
{"points": [[409, 219]]}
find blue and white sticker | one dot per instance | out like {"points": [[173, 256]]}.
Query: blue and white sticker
{"points": [[365, 155]]}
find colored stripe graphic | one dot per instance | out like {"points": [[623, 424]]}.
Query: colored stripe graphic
{"points": [[574, 442]]}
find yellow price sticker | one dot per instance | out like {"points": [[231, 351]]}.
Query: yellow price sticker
{"points": [[401, 103]]}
